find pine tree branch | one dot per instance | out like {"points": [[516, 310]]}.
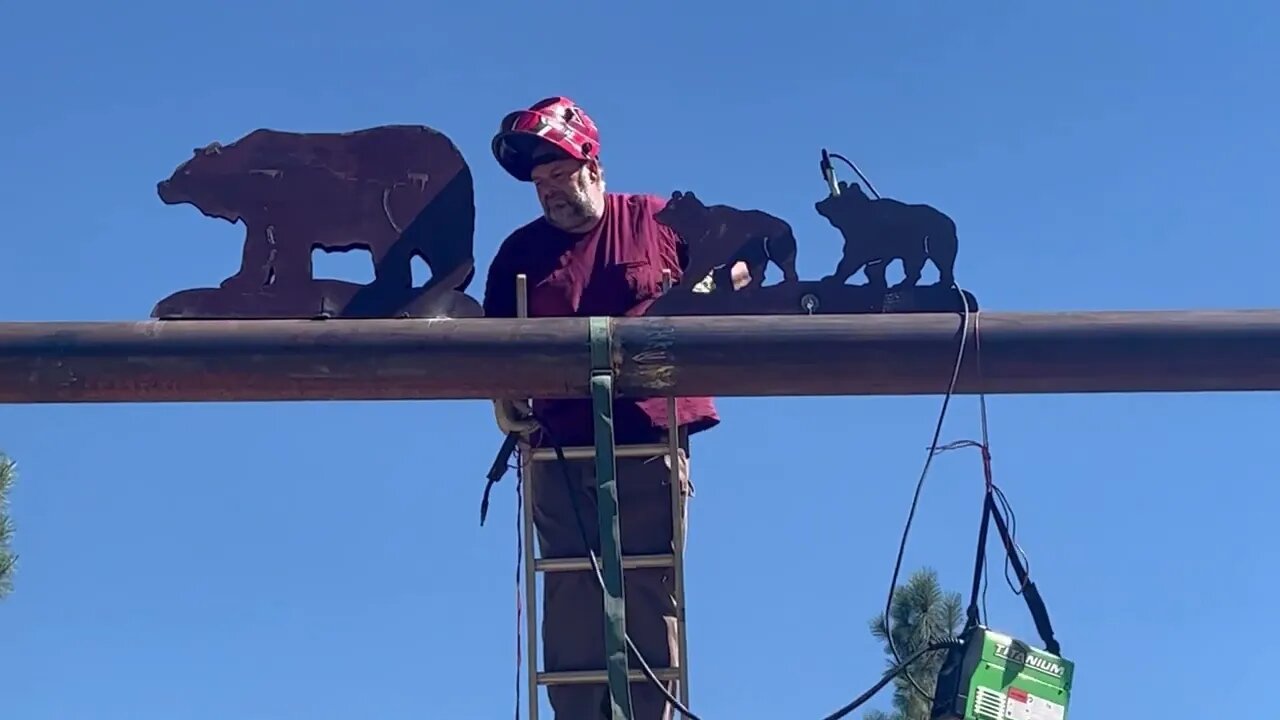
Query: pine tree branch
{"points": [[8, 560], [921, 612]]}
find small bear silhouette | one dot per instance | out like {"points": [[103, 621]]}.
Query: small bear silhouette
{"points": [[719, 236], [395, 190], [876, 232]]}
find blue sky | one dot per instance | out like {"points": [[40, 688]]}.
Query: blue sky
{"points": [[264, 561]]}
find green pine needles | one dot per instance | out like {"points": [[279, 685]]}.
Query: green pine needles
{"points": [[921, 613], [8, 472]]}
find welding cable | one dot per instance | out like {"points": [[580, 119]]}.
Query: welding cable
{"points": [[934, 449], [862, 699], [893, 672], [849, 162], [901, 665], [566, 472]]}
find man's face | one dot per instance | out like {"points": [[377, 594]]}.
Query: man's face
{"points": [[567, 192]]}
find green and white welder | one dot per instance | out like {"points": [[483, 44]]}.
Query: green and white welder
{"points": [[996, 677], [992, 676]]}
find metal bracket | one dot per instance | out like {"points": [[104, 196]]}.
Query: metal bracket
{"points": [[615, 615]]}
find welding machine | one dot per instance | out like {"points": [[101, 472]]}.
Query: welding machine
{"points": [[994, 677]]}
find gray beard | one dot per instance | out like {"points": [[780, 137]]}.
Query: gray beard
{"points": [[575, 213]]}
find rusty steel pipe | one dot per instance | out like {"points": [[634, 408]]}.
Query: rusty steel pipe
{"points": [[887, 354]]}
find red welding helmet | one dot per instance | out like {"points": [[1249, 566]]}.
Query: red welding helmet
{"points": [[550, 129]]}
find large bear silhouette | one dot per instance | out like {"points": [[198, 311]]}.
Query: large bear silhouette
{"points": [[718, 237], [878, 231], [395, 190]]}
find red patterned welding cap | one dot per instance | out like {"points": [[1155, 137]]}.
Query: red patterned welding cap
{"points": [[550, 129]]}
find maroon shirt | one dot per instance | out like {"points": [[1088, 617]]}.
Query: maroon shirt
{"points": [[614, 269]]}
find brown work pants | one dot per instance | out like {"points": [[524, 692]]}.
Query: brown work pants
{"points": [[573, 607]]}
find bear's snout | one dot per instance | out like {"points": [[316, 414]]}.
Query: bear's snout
{"points": [[169, 193]]}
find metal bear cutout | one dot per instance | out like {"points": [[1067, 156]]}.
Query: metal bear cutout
{"points": [[882, 230], [728, 251], [395, 190], [717, 237]]}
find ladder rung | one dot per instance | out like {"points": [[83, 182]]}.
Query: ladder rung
{"points": [[585, 452], [587, 677], [629, 562]]}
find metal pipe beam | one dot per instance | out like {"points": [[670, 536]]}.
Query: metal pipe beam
{"points": [[790, 355]]}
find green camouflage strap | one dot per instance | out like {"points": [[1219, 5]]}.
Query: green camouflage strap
{"points": [[615, 615]]}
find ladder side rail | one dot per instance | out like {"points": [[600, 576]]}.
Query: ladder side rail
{"points": [[527, 529], [677, 532]]}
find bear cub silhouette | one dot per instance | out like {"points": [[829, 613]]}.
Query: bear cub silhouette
{"points": [[719, 237], [876, 232]]}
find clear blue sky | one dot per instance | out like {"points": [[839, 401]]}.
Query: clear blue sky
{"points": [[263, 561]]}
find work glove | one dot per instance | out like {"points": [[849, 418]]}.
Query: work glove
{"points": [[514, 416]]}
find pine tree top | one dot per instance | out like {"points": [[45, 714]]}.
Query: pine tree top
{"points": [[8, 473]]}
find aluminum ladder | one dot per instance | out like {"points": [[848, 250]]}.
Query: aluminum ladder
{"points": [[617, 675]]}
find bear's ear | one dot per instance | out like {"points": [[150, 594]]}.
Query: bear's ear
{"points": [[690, 196], [843, 185], [675, 195]]}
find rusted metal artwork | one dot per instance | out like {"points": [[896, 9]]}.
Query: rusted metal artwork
{"points": [[403, 190], [396, 191], [730, 250]]}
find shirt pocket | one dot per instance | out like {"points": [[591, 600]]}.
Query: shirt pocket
{"points": [[555, 295], [623, 286]]}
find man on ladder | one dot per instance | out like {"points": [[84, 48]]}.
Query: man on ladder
{"points": [[599, 254]]}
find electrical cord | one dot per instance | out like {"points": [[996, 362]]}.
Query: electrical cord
{"points": [[934, 449], [853, 167], [901, 666], [889, 676]]}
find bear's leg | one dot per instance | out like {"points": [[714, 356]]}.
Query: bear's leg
{"points": [[942, 251], [754, 274], [912, 265], [848, 265], [783, 253], [875, 274], [946, 274], [256, 261], [290, 264]]}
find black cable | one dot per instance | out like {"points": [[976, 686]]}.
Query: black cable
{"points": [[901, 667], [924, 472], [1013, 536], [933, 450], [563, 463], [849, 162], [889, 676]]}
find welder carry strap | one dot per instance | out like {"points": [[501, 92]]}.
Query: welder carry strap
{"points": [[1035, 604], [615, 623], [1029, 592]]}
